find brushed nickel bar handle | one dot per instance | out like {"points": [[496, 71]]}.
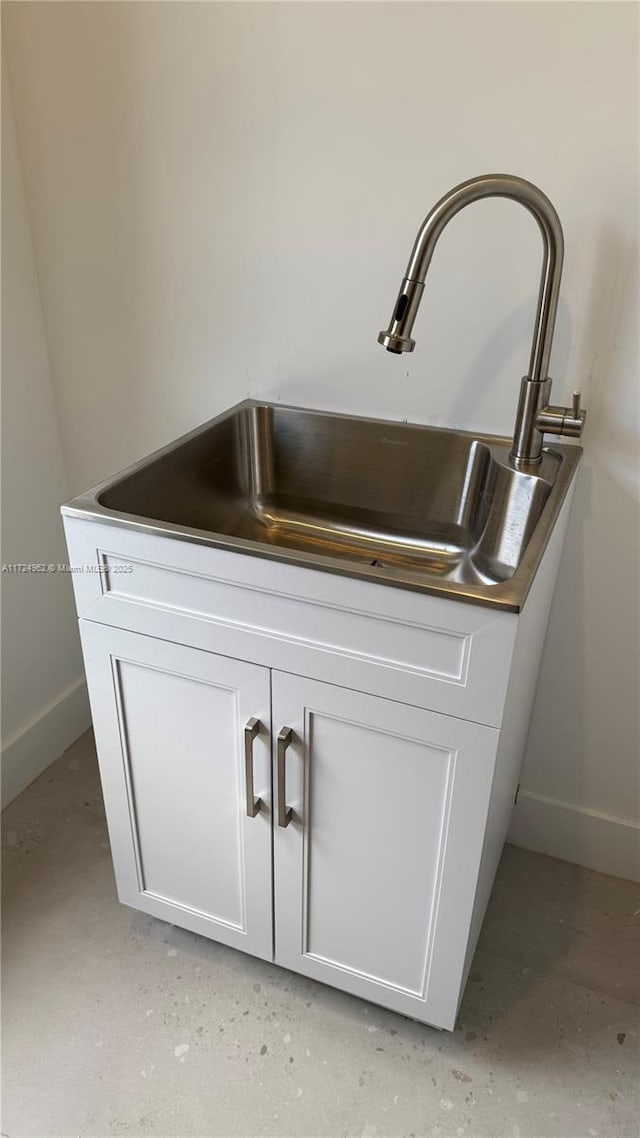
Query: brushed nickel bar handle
{"points": [[284, 812], [251, 730]]}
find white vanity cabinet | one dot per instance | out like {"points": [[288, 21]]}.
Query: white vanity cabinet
{"points": [[382, 730]]}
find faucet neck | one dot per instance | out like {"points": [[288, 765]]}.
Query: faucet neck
{"points": [[528, 195], [535, 414]]}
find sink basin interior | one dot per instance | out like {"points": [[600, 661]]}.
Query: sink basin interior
{"points": [[416, 499]]}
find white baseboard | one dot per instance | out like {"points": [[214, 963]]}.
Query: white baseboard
{"points": [[574, 833], [31, 749]]}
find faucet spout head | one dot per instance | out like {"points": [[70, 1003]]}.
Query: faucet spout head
{"points": [[397, 337], [396, 344]]}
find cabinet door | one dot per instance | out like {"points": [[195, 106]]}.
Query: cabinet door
{"points": [[375, 872], [170, 734]]}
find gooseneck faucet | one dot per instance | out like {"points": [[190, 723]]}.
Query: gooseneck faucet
{"points": [[535, 415]]}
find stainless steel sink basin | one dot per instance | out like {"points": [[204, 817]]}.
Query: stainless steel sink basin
{"points": [[420, 508]]}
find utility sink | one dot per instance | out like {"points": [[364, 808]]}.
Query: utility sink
{"points": [[434, 510]]}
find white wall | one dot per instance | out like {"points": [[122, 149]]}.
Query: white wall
{"points": [[223, 199], [44, 702]]}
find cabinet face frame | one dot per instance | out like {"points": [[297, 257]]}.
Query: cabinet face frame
{"points": [[113, 658], [458, 769]]}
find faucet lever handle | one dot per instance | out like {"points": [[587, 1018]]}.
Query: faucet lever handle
{"points": [[562, 420]]}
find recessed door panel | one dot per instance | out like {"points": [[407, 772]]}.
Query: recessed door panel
{"points": [[182, 763], [377, 805]]}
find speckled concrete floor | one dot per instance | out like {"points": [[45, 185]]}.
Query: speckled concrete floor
{"points": [[115, 1023]]}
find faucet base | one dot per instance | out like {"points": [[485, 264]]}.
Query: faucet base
{"points": [[527, 438]]}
